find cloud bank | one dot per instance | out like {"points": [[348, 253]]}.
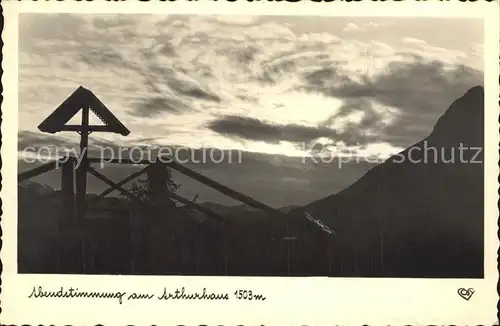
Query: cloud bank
{"points": [[241, 82]]}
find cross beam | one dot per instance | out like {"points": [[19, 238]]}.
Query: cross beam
{"points": [[179, 198], [113, 185], [23, 176], [199, 177], [122, 183], [91, 128]]}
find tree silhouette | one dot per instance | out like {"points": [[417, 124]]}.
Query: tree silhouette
{"points": [[154, 190]]}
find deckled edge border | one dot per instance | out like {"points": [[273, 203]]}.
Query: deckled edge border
{"points": [[2, 22], [498, 217]]}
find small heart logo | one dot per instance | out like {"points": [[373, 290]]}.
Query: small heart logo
{"points": [[465, 293]]}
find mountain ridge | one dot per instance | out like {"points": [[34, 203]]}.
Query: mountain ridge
{"points": [[399, 210]]}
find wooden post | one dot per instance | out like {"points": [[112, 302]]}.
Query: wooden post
{"points": [[68, 190], [157, 179], [67, 218], [132, 240], [81, 182]]}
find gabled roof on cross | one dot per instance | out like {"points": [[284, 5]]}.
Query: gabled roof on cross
{"points": [[80, 98]]}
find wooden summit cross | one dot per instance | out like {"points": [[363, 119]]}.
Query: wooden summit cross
{"points": [[85, 101]]}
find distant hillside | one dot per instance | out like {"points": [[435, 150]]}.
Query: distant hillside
{"points": [[35, 188], [416, 218]]}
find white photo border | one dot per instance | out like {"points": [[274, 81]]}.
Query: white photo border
{"points": [[290, 301]]}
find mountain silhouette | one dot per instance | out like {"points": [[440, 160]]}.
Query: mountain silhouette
{"points": [[420, 213]]}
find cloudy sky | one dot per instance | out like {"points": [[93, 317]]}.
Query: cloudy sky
{"points": [[264, 85]]}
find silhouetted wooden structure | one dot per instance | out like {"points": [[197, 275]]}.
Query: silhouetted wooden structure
{"points": [[74, 225], [82, 100]]}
